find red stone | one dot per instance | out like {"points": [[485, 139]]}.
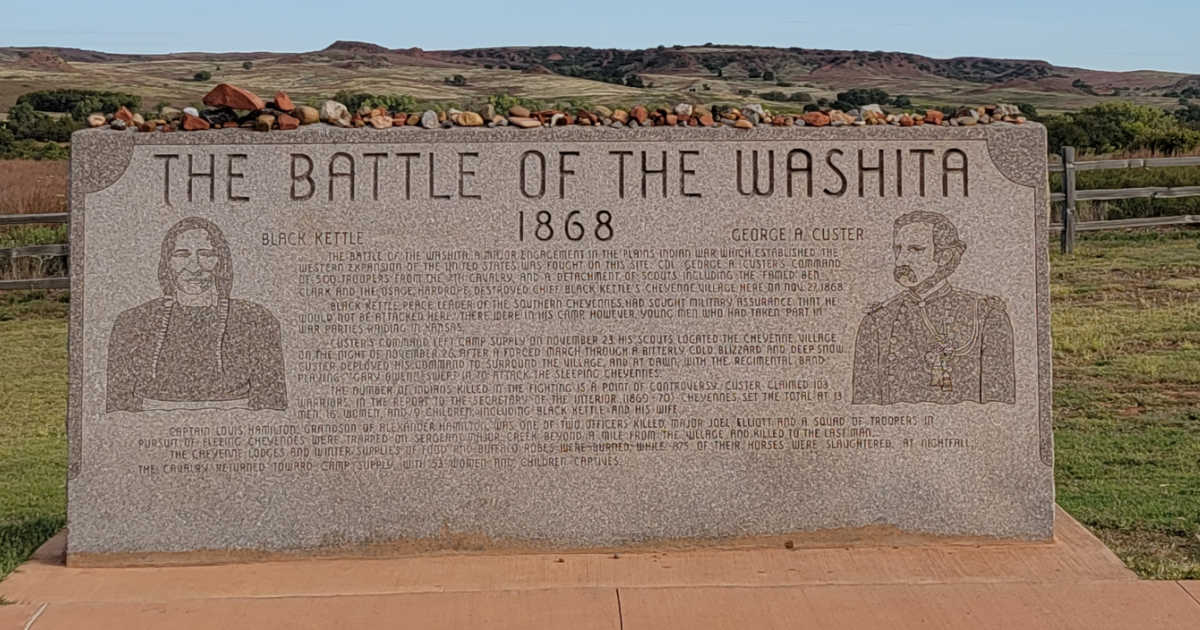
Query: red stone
{"points": [[640, 114], [672, 119], [906, 120], [816, 119], [194, 123], [286, 122], [124, 114], [283, 102], [706, 120], [934, 116], [225, 95]]}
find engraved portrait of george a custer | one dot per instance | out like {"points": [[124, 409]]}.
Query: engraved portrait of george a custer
{"points": [[933, 342]]}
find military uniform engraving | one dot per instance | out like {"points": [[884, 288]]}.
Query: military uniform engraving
{"points": [[195, 347], [933, 342]]}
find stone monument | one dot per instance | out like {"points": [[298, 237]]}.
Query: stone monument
{"points": [[332, 340]]}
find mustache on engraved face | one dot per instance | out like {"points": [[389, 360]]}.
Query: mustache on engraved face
{"points": [[904, 275]]}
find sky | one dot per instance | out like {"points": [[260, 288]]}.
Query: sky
{"points": [[1096, 34]]}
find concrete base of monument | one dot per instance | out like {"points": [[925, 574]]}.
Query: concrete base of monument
{"points": [[1070, 582], [458, 544]]}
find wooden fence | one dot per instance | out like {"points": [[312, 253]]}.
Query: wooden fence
{"points": [[1071, 195], [38, 251], [1067, 227]]}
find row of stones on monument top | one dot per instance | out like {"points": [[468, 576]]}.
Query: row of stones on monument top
{"points": [[231, 106]]}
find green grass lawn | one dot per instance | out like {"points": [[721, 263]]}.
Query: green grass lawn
{"points": [[1126, 324], [33, 407], [1126, 317]]}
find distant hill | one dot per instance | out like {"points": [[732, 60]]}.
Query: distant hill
{"points": [[712, 72]]}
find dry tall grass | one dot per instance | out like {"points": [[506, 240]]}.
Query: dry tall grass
{"points": [[33, 187]]}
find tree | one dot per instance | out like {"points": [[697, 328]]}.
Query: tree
{"points": [[1188, 115], [26, 123], [634, 81], [768, 76], [6, 140], [858, 97], [246, 65], [1120, 126], [203, 75], [79, 103]]}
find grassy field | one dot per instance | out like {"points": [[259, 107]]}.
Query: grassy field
{"points": [[1126, 323], [33, 406], [1126, 317]]}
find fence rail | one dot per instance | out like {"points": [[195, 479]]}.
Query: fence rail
{"points": [[59, 282], [18, 219], [1067, 165], [1116, 224]]}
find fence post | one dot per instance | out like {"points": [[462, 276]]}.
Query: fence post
{"points": [[1068, 209]]}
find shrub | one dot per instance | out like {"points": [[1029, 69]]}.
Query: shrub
{"points": [[858, 97], [203, 75], [25, 123], [31, 149], [1120, 126], [246, 65], [79, 103], [504, 102], [794, 97], [393, 102]]}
